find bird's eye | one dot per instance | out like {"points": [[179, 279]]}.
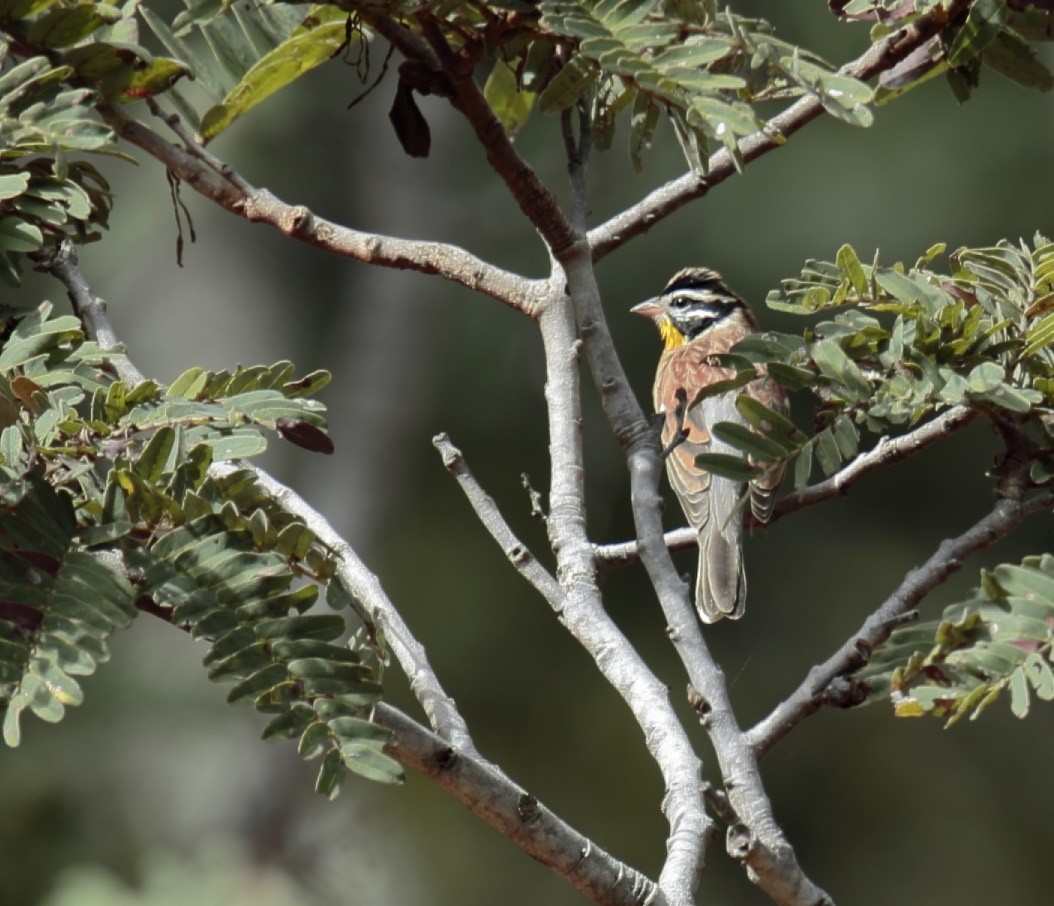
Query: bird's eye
{"points": [[679, 302]]}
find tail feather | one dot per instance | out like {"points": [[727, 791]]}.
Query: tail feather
{"points": [[721, 583]]}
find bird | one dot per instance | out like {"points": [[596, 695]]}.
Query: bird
{"points": [[699, 317]]}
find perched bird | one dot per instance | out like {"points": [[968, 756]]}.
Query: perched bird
{"points": [[698, 316]]}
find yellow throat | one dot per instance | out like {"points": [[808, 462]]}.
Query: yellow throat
{"points": [[671, 336]]}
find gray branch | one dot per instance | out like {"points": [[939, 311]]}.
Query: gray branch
{"points": [[220, 183], [486, 510], [448, 756], [813, 692], [778, 874], [659, 204], [518, 815], [886, 452]]}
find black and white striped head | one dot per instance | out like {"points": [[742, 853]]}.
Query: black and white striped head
{"points": [[695, 300]]}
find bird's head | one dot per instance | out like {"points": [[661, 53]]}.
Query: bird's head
{"points": [[695, 300]]}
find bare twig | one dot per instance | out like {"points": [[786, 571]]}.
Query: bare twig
{"points": [[220, 183], [887, 451], [490, 516], [514, 812], [658, 205], [1005, 516]]}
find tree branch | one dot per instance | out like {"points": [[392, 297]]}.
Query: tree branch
{"points": [[449, 756], [672, 196], [813, 692], [453, 76], [441, 710], [516, 814], [778, 873], [887, 451], [522, 560], [220, 183]]}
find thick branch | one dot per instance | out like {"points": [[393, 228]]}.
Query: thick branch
{"points": [[221, 184], [1005, 516], [440, 707], [887, 451], [778, 874], [672, 196], [515, 813]]}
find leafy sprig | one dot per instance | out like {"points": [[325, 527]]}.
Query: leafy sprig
{"points": [[1000, 639], [108, 507], [901, 344]]}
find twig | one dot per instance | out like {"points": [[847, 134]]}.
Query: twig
{"points": [[220, 183], [91, 309], [887, 451], [490, 516], [1005, 516], [668, 198], [441, 710], [535, 200], [514, 812]]}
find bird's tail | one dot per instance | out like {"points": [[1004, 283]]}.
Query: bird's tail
{"points": [[721, 583]]}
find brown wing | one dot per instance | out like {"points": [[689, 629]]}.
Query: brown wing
{"points": [[710, 503], [685, 368]]}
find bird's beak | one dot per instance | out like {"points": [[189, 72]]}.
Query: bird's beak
{"points": [[649, 308]]}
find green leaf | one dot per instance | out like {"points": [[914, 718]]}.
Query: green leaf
{"points": [[277, 69], [570, 83], [189, 384], [331, 774], [67, 25], [158, 455], [1019, 697], [370, 763], [241, 443], [983, 24], [854, 270], [315, 740], [1040, 675], [511, 104], [18, 236], [257, 683], [1010, 55], [827, 453], [750, 442], [728, 466], [842, 371], [775, 426], [289, 724], [325, 627], [13, 184], [1039, 335]]}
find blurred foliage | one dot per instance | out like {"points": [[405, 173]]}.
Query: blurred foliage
{"points": [[218, 875]]}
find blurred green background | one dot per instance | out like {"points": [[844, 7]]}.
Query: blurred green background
{"points": [[155, 792]]}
